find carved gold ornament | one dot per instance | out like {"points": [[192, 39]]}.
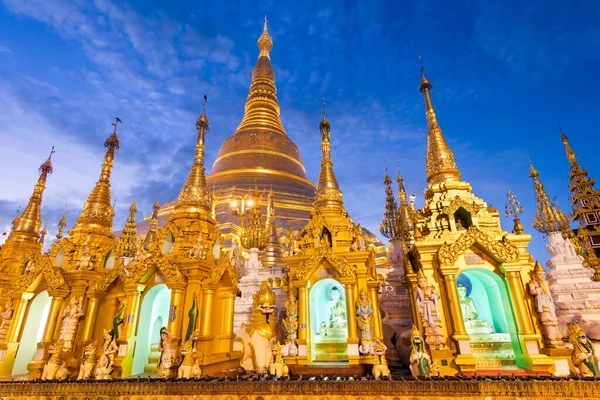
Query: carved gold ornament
{"points": [[448, 254]]}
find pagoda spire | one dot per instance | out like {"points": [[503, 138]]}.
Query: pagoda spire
{"points": [[580, 186], [548, 217], [262, 107], [440, 163], [27, 225], [194, 195], [150, 237], [390, 226], [97, 213], [128, 239], [274, 251], [328, 192]]}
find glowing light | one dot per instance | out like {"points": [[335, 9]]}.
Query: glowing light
{"points": [[250, 203], [234, 204]]}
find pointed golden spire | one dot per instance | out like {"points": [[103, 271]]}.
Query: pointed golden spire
{"points": [[328, 192], [61, 226], [548, 217], [390, 226], [29, 222], [97, 213], [152, 231], [128, 239], [274, 251], [194, 195], [439, 161], [570, 153], [265, 43]]}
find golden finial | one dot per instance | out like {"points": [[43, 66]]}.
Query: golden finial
{"points": [[43, 234], [328, 192], [150, 237], [570, 152], [16, 219], [439, 161], [324, 126], [61, 226], [513, 209], [548, 217], [194, 194], [265, 43]]}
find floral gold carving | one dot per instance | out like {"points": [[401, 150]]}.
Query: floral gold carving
{"points": [[224, 265], [320, 254], [448, 254], [457, 203]]}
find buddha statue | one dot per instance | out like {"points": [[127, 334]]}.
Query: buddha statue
{"points": [[470, 314], [336, 314]]}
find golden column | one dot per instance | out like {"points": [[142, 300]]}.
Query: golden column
{"points": [[229, 308], [351, 310], [176, 310], [374, 297], [518, 297], [58, 297], [459, 331], [91, 315], [133, 292], [208, 294], [302, 312], [19, 316]]}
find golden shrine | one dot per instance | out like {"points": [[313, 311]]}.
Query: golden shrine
{"points": [[157, 302]]}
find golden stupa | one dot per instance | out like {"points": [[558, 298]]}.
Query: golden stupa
{"points": [[259, 154]]}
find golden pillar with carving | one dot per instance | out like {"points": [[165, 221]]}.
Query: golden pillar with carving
{"points": [[374, 297], [463, 358], [124, 359], [12, 345], [529, 338], [90, 316], [206, 337], [176, 311], [58, 296]]}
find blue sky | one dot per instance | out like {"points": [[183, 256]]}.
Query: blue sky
{"points": [[503, 74]]}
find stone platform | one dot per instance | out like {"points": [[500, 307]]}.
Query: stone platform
{"points": [[220, 389]]}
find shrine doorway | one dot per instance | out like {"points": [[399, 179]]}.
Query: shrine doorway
{"points": [[488, 318], [154, 314], [328, 321], [33, 331]]}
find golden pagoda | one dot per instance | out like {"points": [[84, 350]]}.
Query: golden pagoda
{"points": [[466, 275], [336, 286]]}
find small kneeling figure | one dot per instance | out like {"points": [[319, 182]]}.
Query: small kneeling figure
{"points": [[277, 366], [380, 367]]}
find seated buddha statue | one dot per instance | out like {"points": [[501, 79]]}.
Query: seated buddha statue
{"points": [[470, 314], [336, 314]]}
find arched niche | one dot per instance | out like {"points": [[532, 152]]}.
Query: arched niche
{"points": [[59, 260], [462, 219], [325, 238], [328, 321], [490, 297], [155, 304], [32, 332], [109, 260], [168, 243]]}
